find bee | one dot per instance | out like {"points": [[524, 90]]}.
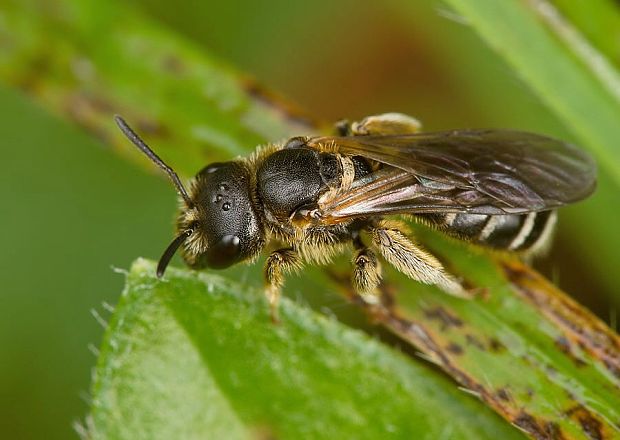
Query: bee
{"points": [[315, 197]]}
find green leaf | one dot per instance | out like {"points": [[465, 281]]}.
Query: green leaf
{"points": [[568, 74], [599, 21], [193, 104], [196, 356]]}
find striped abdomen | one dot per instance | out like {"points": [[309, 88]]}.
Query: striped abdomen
{"points": [[513, 232]]}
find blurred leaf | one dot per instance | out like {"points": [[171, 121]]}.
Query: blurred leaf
{"points": [[80, 207], [598, 20], [569, 74], [52, 51], [206, 347]]}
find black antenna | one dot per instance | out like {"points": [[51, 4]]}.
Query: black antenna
{"points": [[170, 251], [133, 137]]}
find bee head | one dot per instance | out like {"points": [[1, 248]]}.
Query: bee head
{"points": [[225, 227], [218, 225]]}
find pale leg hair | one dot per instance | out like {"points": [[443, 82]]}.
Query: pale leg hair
{"points": [[412, 260]]}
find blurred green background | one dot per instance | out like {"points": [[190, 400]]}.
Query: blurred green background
{"points": [[73, 209]]}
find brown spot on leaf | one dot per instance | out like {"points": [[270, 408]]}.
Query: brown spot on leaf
{"points": [[503, 394], [275, 102], [82, 106], [495, 345], [152, 128], [421, 338], [30, 80], [263, 432], [613, 367], [173, 64], [447, 319], [538, 429], [590, 424], [454, 348], [576, 323], [473, 340], [565, 347], [553, 430]]}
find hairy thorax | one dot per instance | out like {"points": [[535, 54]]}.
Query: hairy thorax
{"points": [[289, 184]]}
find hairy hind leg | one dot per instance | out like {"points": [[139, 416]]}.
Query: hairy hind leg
{"points": [[412, 260]]}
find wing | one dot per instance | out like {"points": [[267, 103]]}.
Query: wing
{"points": [[472, 171]]}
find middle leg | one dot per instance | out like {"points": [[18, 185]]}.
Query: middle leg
{"points": [[278, 264], [366, 272]]}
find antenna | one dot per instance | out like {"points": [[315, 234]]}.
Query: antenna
{"points": [[170, 251], [138, 142]]}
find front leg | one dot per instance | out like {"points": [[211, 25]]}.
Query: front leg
{"points": [[278, 264]]}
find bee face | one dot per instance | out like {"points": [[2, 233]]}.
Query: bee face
{"points": [[225, 229]]}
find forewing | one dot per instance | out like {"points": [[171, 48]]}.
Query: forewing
{"points": [[394, 191], [474, 171]]}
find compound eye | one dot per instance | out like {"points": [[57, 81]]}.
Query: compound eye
{"points": [[224, 253]]}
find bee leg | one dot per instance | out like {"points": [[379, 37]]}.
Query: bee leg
{"points": [[413, 261], [366, 274], [384, 124], [277, 265], [343, 128]]}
